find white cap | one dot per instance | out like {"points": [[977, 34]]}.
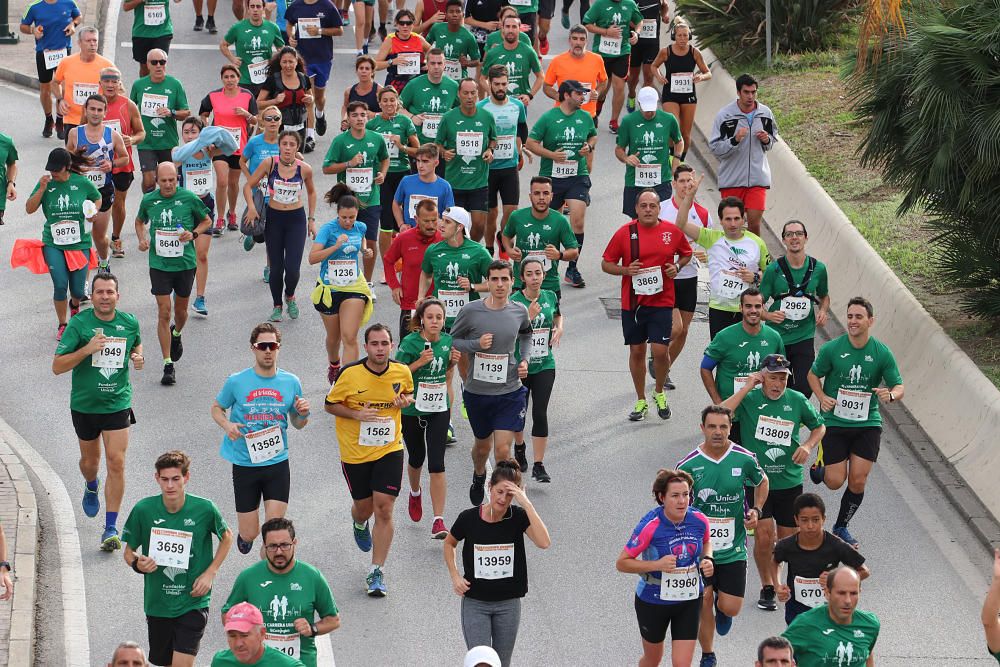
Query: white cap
{"points": [[461, 216], [648, 99], [479, 655]]}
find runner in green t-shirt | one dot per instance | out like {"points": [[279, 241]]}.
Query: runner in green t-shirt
{"points": [[456, 41], [427, 97], [456, 265], [8, 172], [173, 531], [614, 24], [797, 286], [151, 26], [546, 332], [250, 643], [520, 60], [162, 102], [495, 38], [721, 471], [542, 232], [293, 596], [846, 378], [176, 216], [769, 415], [647, 142], [255, 39], [97, 346], [836, 633], [429, 353]]}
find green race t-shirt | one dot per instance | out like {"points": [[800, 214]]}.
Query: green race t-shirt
{"points": [[361, 179], [532, 235], [455, 45], [770, 429], [496, 37], [650, 140], [402, 127], [540, 355], [817, 641], [469, 137], [446, 265], [409, 351], [187, 535], [161, 133], [62, 205], [849, 376], [558, 132], [272, 657], [152, 19], [433, 100], [604, 14], [8, 156], [773, 284], [254, 46], [105, 387], [519, 61], [166, 216], [739, 354], [719, 493], [301, 592]]}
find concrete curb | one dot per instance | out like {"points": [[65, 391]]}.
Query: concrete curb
{"points": [[21, 647], [951, 411]]}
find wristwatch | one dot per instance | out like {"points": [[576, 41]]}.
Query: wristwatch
{"points": [[135, 565], [194, 234], [312, 628], [6, 564]]}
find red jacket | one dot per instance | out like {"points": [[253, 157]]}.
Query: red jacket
{"points": [[409, 246]]}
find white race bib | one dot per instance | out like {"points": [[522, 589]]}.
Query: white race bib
{"points": [[359, 179], [170, 548], [432, 397], [453, 70], [565, 169], [647, 30], [808, 591], [739, 382], [342, 272], [115, 125], [490, 368], [53, 57], [112, 355], [610, 45], [541, 257], [722, 532], [430, 125], [648, 281], [680, 585], [796, 308], [469, 144], [539, 344], [65, 232], [287, 644], [98, 178], [519, 3], [237, 133], [408, 63], [493, 561], [258, 72], [731, 286], [682, 82], [852, 405], [390, 145], [377, 433], [774, 430], [505, 147], [304, 23], [81, 91], [151, 104], [416, 199], [265, 444], [168, 243], [286, 192], [453, 300], [200, 181], [154, 14], [648, 175]]}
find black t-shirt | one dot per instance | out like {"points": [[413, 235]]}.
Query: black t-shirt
{"points": [[810, 564], [497, 544], [483, 10]]}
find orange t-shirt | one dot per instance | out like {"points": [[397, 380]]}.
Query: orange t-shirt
{"points": [[79, 80], [589, 71]]}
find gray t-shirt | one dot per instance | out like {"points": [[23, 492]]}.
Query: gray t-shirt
{"points": [[509, 326]]}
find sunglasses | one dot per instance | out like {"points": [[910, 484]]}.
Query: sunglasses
{"points": [[404, 22], [271, 118], [266, 346], [110, 78], [158, 62]]}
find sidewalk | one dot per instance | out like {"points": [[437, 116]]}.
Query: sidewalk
{"points": [[18, 515], [17, 61]]}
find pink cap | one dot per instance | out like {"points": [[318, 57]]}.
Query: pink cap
{"points": [[243, 617]]}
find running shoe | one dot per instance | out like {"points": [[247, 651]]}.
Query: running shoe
{"points": [[310, 145], [520, 455], [362, 536], [438, 529], [199, 23], [371, 288], [364, 48], [844, 534], [345, 17], [267, 274], [668, 384], [243, 545], [538, 473], [461, 408], [176, 346], [708, 660], [47, 128], [117, 249], [767, 601], [248, 243], [210, 25], [376, 583], [110, 540], [640, 411], [293, 308], [59, 331], [74, 308], [332, 372], [275, 314], [382, 32], [91, 501], [60, 128], [451, 436], [321, 125], [630, 104], [543, 46], [103, 267], [723, 623], [169, 376], [613, 126], [217, 228], [564, 19], [817, 471], [416, 507], [478, 489], [662, 409], [231, 222], [199, 306], [574, 278]]}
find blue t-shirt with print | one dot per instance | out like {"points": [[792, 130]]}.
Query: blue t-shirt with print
{"points": [[328, 235], [53, 18], [507, 117], [411, 189], [258, 403]]}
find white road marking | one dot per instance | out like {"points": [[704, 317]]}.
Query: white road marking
{"points": [[110, 35], [324, 652]]}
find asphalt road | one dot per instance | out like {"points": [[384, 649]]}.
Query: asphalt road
{"points": [[929, 570]]}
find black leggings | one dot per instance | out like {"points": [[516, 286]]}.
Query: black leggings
{"points": [[425, 436], [801, 355], [539, 392], [285, 236]]}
